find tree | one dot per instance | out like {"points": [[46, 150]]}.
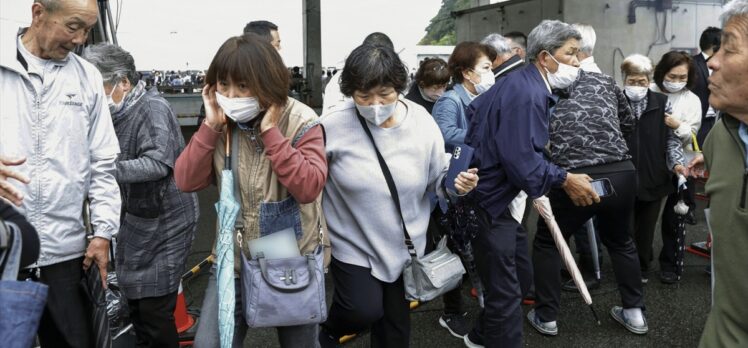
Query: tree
{"points": [[441, 29]]}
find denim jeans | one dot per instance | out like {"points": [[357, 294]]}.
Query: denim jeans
{"points": [[302, 336], [21, 302]]}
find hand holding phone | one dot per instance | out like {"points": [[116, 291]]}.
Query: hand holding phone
{"points": [[603, 187]]}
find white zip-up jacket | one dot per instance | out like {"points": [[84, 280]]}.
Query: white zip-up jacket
{"points": [[65, 131]]}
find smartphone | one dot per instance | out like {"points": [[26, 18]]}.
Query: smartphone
{"points": [[603, 187], [460, 162]]}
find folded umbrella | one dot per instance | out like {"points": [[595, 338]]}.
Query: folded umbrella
{"points": [[543, 205], [228, 209], [592, 238]]}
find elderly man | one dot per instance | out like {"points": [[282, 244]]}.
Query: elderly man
{"points": [[506, 60], [53, 112], [587, 46], [509, 131], [726, 158]]}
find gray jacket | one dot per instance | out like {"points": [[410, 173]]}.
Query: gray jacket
{"points": [[65, 132]]}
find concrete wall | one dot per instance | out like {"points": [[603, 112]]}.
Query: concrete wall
{"points": [[616, 38]]}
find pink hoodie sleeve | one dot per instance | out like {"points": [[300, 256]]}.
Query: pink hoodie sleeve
{"points": [[193, 170], [303, 169]]}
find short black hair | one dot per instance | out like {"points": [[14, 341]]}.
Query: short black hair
{"points": [[669, 61], [381, 39], [710, 38], [369, 66], [518, 37], [261, 28]]}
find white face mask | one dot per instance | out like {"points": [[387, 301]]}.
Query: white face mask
{"points": [[486, 81], [376, 114], [240, 110], [673, 87], [114, 107], [564, 76], [636, 93], [429, 96]]}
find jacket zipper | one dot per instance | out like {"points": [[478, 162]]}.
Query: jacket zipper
{"points": [[744, 191]]}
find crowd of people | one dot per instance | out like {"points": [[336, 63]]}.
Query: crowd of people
{"points": [[364, 188]]}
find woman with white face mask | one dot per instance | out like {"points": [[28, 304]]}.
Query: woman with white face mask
{"points": [[470, 66], [656, 152], [280, 165], [366, 230], [430, 83], [674, 75]]}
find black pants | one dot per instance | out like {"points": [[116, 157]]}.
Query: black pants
{"points": [[360, 301], [153, 319], [642, 230], [66, 321], [503, 264], [613, 217], [435, 232], [669, 222]]}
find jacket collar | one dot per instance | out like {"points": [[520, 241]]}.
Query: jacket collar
{"points": [[511, 63], [652, 103], [462, 93], [11, 58]]}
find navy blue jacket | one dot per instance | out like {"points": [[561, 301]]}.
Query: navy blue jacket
{"points": [[508, 127]]}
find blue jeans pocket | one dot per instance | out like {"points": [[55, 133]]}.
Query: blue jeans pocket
{"points": [[278, 216]]}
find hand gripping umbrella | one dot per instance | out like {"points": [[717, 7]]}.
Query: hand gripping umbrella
{"points": [[227, 208], [543, 205]]}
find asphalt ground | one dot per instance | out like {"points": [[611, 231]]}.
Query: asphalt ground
{"points": [[676, 314]]}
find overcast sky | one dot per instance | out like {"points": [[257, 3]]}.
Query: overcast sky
{"points": [[169, 34]]}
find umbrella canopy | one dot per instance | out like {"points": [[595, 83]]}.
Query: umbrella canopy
{"points": [[227, 208], [96, 293], [543, 205]]}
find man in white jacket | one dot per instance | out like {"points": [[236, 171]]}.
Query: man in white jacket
{"points": [[56, 136]]}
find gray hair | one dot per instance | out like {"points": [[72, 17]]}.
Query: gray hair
{"points": [[734, 8], [549, 36], [637, 64], [50, 5], [113, 62], [588, 37], [498, 42]]}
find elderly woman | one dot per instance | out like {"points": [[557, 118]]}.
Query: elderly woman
{"points": [[509, 131], [656, 152], [587, 130], [470, 66], [280, 161], [158, 220], [369, 251], [429, 83], [674, 76]]}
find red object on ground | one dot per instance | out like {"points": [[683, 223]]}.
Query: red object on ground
{"points": [[182, 319]]}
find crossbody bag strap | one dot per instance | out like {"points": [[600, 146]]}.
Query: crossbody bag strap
{"points": [[390, 185], [234, 156]]}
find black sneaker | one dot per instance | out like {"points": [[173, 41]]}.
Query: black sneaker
{"points": [[472, 340], [690, 218], [669, 277], [457, 324]]}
